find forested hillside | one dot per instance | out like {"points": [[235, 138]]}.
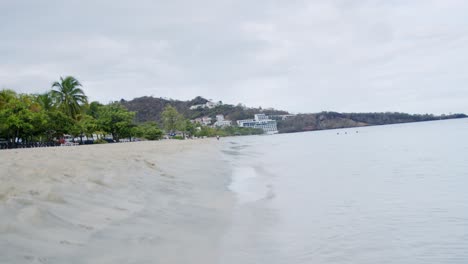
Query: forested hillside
{"points": [[150, 109], [332, 120]]}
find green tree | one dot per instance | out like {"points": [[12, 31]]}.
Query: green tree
{"points": [[189, 128], [93, 108], [46, 101], [59, 124], [86, 125], [172, 120], [6, 96], [149, 131], [69, 96], [21, 117], [206, 131], [115, 119], [12, 115]]}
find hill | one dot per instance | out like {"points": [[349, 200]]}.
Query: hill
{"points": [[150, 109], [332, 120]]}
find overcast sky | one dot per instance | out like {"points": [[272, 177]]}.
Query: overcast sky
{"points": [[302, 56]]}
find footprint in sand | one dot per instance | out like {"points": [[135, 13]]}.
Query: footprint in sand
{"points": [[66, 242], [34, 193], [150, 164], [86, 227], [167, 176], [43, 260]]}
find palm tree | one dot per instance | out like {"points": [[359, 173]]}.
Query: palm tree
{"points": [[70, 98], [46, 100]]}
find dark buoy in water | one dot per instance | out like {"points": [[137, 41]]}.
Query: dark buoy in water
{"points": [[346, 132], [337, 133], [357, 131]]}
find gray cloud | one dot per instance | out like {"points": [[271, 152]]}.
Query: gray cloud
{"points": [[303, 56]]}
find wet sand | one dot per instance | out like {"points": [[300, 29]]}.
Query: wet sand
{"points": [[144, 202]]}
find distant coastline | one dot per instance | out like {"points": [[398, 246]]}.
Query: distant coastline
{"points": [[373, 125], [64, 116], [150, 108], [332, 120]]}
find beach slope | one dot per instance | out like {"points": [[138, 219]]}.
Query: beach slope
{"points": [[144, 202]]}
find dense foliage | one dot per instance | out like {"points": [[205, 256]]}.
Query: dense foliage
{"points": [[148, 130], [65, 110], [172, 119], [151, 108], [115, 120]]}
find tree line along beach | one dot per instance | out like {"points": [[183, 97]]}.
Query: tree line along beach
{"points": [[65, 114]]}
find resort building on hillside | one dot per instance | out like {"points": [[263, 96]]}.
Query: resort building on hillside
{"points": [[204, 121], [209, 105], [260, 121], [221, 122]]}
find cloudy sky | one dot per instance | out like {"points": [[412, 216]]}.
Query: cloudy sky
{"points": [[302, 56]]}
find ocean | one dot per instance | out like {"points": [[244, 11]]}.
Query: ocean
{"points": [[383, 194]]}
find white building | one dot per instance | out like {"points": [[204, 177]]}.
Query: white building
{"points": [[193, 107], [221, 122], [209, 105], [260, 121], [204, 121], [219, 117]]}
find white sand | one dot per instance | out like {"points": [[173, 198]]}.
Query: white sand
{"points": [[145, 202]]}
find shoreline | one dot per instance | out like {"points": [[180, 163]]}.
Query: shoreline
{"points": [[94, 204]]}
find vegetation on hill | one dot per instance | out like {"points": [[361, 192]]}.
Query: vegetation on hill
{"points": [[150, 109]]}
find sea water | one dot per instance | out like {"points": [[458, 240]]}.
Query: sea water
{"points": [[383, 194]]}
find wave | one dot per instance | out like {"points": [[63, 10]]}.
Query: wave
{"points": [[250, 186]]}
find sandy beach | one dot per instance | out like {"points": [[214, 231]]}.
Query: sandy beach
{"points": [[143, 202]]}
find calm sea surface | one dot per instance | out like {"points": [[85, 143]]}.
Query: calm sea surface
{"points": [[386, 194]]}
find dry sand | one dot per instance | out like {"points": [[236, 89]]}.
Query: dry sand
{"points": [[145, 202]]}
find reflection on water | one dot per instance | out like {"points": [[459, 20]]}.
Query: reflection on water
{"points": [[388, 194]]}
